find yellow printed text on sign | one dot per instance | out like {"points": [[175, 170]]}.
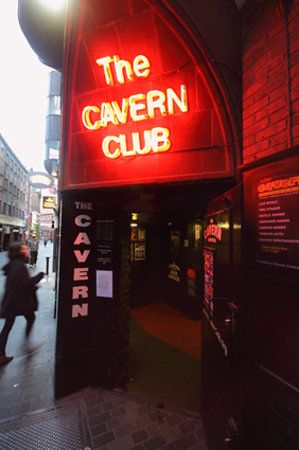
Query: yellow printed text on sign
{"points": [[49, 202]]}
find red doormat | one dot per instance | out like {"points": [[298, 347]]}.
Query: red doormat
{"points": [[170, 326]]}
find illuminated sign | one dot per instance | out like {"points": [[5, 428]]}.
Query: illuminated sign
{"points": [[81, 250], [281, 186], [40, 180], [139, 251], [213, 232], [141, 104], [271, 214], [49, 202], [137, 107], [174, 272]]}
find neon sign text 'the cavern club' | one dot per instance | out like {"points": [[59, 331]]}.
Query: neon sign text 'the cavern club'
{"points": [[135, 108]]}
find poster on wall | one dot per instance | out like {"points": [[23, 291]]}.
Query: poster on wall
{"points": [[104, 242], [104, 283], [174, 272], [141, 234], [139, 251], [272, 219]]}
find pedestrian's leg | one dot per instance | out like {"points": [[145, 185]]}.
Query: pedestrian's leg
{"points": [[32, 347], [5, 332], [30, 317]]}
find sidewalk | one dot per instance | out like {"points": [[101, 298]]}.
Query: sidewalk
{"points": [[93, 418], [26, 383]]}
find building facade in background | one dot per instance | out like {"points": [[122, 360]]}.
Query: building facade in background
{"points": [[33, 229], [53, 124], [49, 206], [14, 196]]}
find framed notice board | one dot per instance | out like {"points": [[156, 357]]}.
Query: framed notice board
{"points": [[271, 219]]}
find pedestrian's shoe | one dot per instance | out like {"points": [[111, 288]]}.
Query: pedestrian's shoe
{"points": [[5, 359]]}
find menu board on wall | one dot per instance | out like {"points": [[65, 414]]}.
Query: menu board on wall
{"points": [[272, 219], [174, 272], [104, 241], [139, 251]]}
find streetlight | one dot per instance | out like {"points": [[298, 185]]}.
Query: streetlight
{"points": [[54, 5]]}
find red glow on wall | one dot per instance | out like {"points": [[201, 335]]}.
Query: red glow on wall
{"points": [[138, 107]]}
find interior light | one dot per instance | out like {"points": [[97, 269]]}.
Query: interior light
{"points": [[134, 216], [132, 225], [224, 225]]}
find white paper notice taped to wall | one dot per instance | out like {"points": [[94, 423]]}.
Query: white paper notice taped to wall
{"points": [[104, 283]]}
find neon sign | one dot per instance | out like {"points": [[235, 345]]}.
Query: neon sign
{"points": [[135, 108], [141, 104], [280, 186], [213, 232]]}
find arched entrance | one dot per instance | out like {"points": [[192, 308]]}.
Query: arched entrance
{"points": [[148, 133]]}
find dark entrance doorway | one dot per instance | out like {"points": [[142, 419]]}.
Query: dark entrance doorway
{"points": [[164, 345], [132, 256], [166, 291]]}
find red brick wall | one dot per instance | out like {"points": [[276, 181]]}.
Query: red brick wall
{"points": [[270, 114], [294, 49]]}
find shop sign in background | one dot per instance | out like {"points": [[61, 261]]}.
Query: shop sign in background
{"points": [[49, 202]]}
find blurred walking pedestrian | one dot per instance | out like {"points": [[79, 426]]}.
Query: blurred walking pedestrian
{"points": [[19, 297], [33, 246]]}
